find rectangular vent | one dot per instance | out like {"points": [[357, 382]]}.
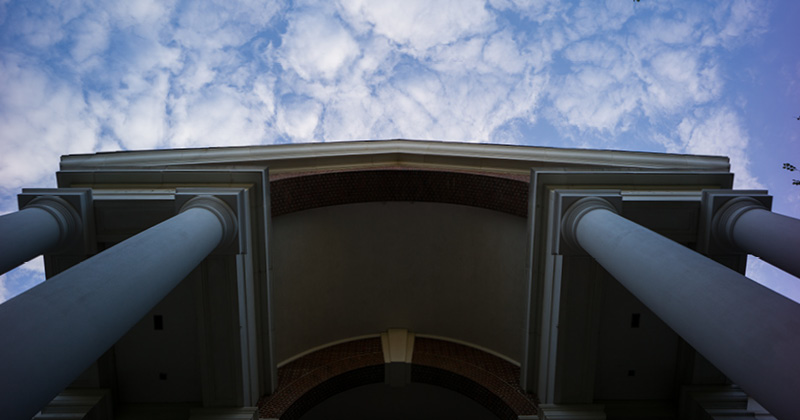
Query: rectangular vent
{"points": [[158, 322], [635, 320]]}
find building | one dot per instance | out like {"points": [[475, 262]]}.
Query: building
{"points": [[483, 281]]}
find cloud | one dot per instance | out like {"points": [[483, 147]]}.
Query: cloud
{"points": [[773, 278], [298, 118], [600, 93], [21, 278], [43, 117], [416, 25], [534, 10], [217, 24], [217, 116], [664, 31], [81, 76], [591, 17], [317, 47], [676, 79], [136, 115], [90, 37], [719, 132], [737, 22]]}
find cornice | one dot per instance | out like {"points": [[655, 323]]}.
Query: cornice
{"points": [[415, 153]]}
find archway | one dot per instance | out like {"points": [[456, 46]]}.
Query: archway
{"points": [[487, 380]]}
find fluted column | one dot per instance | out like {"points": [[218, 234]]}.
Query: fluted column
{"points": [[54, 331], [46, 224], [745, 224], [748, 331]]}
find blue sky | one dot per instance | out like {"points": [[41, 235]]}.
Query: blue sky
{"points": [[700, 77]]}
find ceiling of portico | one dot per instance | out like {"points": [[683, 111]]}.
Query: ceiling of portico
{"points": [[433, 268]]}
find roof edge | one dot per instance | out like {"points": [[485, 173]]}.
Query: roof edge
{"points": [[484, 152]]}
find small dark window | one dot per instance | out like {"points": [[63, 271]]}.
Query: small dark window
{"points": [[162, 376], [158, 322], [635, 320], [631, 373]]}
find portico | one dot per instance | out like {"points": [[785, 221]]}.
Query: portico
{"points": [[278, 250]]}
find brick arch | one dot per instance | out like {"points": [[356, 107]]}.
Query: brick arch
{"points": [[307, 191], [487, 379]]}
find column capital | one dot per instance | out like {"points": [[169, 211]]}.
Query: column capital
{"points": [[225, 203], [725, 219], [569, 206], [719, 211], [72, 209]]}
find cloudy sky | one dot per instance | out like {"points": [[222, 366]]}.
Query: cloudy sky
{"points": [[701, 77]]}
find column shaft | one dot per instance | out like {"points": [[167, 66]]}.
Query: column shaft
{"points": [[746, 330], [773, 237], [54, 331], [33, 231]]}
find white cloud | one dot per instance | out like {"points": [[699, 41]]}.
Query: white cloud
{"points": [[497, 53], [21, 278], [664, 31], [595, 52], [90, 37], [417, 25], [217, 116], [738, 21], [591, 98], [43, 118], [137, 114], [79, 76], [317, 47], [535, 10], [677, 79], [719, 132], [40, 31], [591, 17], [215, 24], [459, 57], [773, 278], [145, 14], [298, 118]]}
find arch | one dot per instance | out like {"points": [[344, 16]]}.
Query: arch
{"points": [[307, 191], [487, 379]]}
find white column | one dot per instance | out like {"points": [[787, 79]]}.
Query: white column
{"points": [[746, 224], [43, 225], [54, 331], [748, 331]]}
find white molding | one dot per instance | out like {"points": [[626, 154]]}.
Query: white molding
{"points": [[432, 153]]}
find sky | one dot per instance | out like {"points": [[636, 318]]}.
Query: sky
{"points": [[677, 76]]}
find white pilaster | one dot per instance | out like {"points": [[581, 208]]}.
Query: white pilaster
{"points": [[743, 328]]}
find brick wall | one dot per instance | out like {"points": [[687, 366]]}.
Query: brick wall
{"points": [[489, 380], [334, 188]]}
